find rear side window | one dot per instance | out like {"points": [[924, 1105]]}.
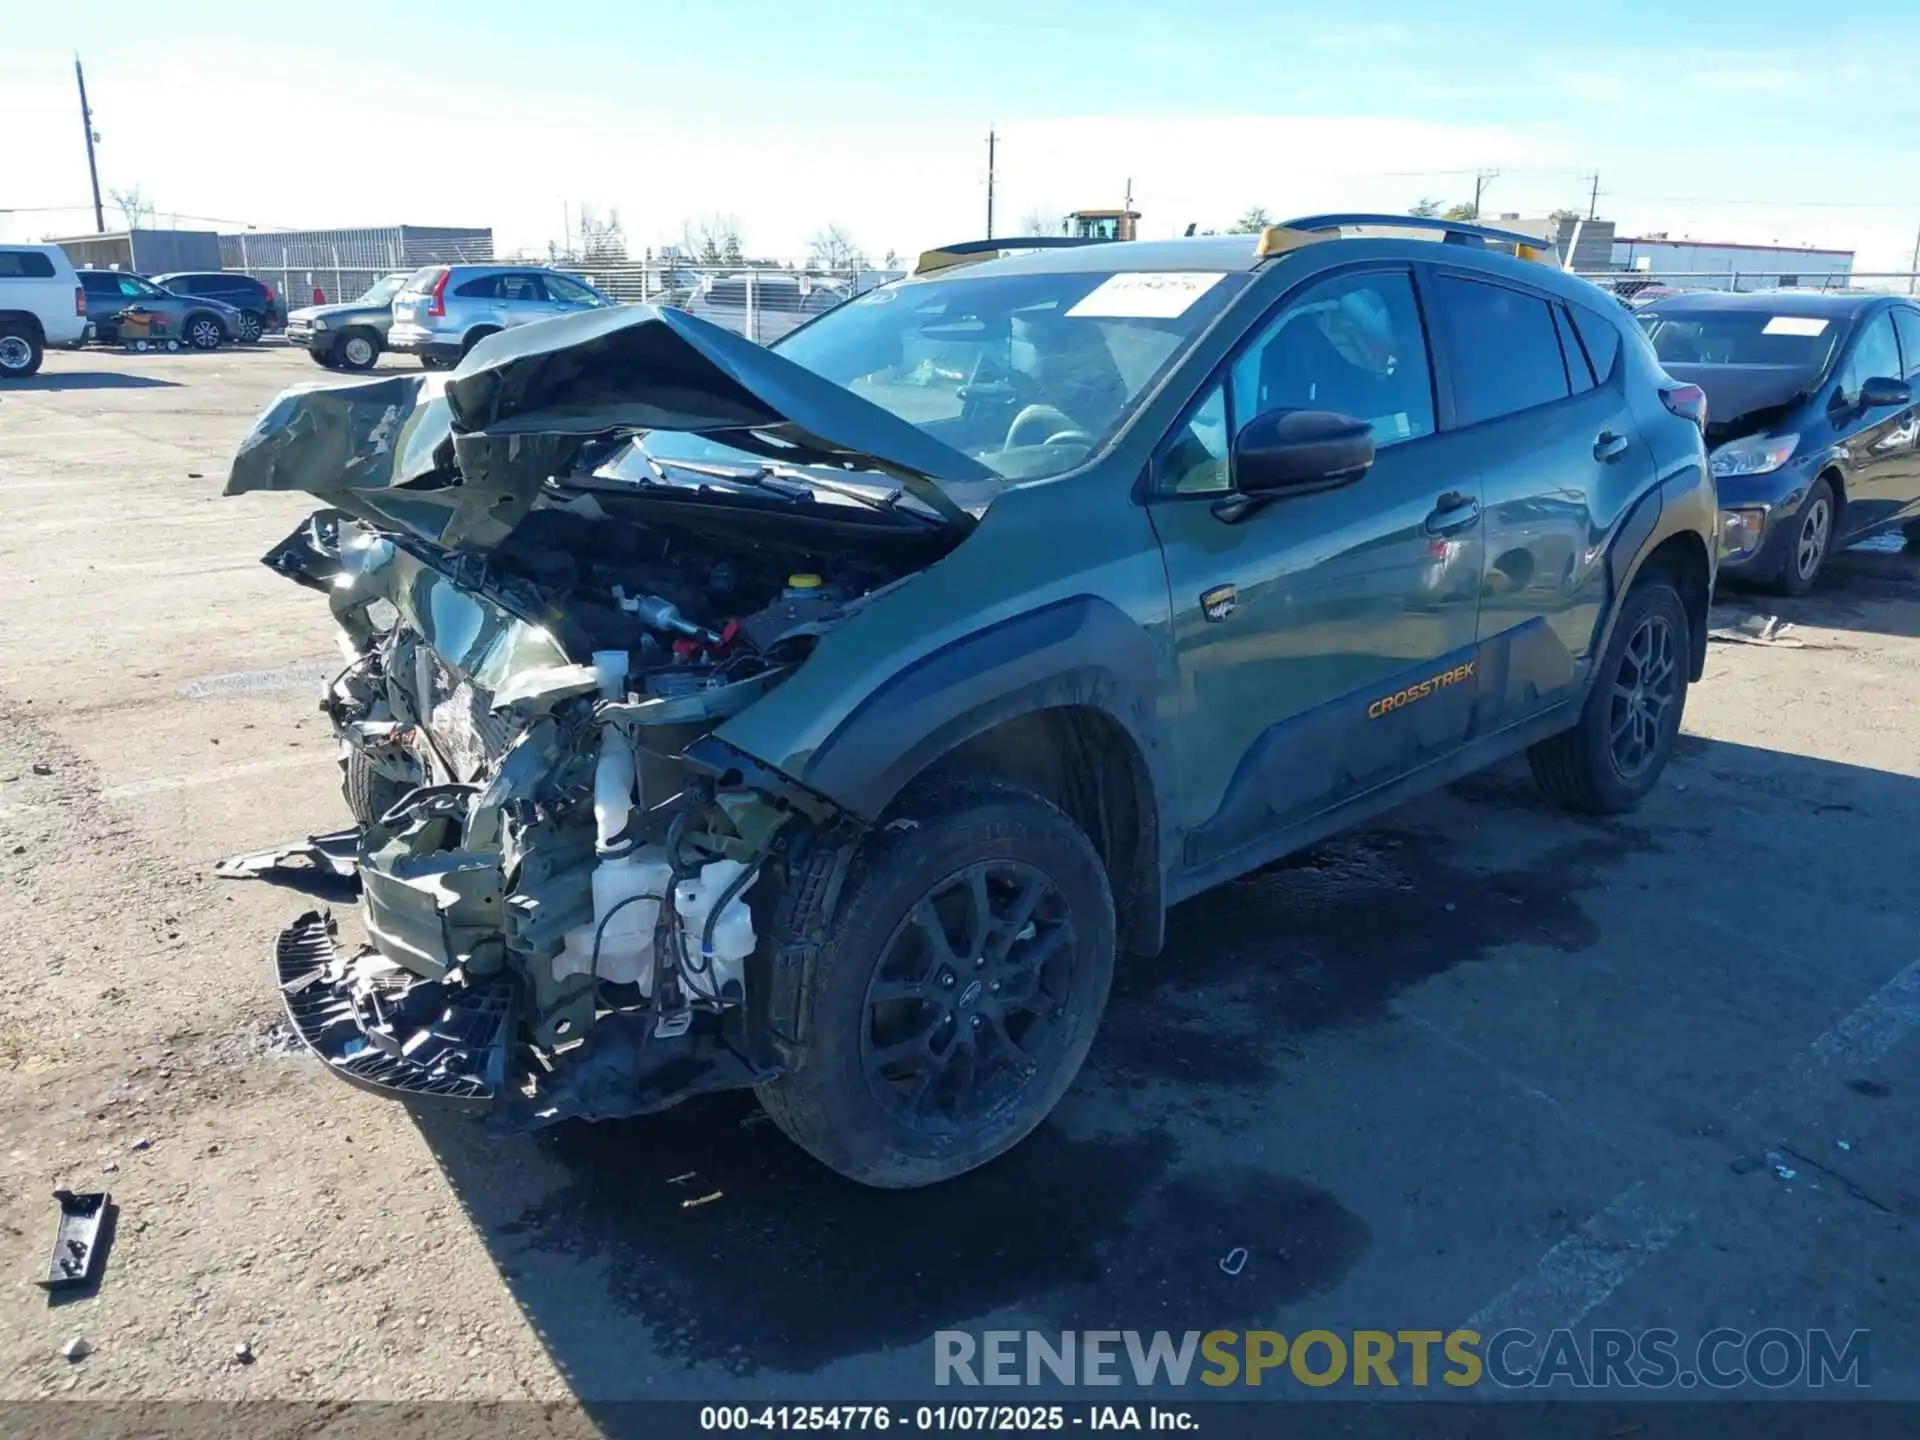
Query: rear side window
{"points": [[1506, 352], [25, 265], [100, 282], [1600, 338], [1907, 322], [1579, 373], [483, 287]]}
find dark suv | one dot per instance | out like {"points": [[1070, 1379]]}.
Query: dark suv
{"points": [[830, 718], [1810, 410], [260, 309]]}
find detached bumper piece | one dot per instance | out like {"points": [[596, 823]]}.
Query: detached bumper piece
{"points": [[390, 1031]]}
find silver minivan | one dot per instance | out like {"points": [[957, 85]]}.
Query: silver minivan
{"points": [[443, 311]]}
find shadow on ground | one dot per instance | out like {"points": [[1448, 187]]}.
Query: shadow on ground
{"points": [[669, 1255], [91, 380], [1871, 589]]}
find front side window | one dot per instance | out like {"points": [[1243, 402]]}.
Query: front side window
{"points": [[521, 289], [1506, 352], [1029, 372], [570, 292], [1875, 355], [1194, 460], [1352, 344]]}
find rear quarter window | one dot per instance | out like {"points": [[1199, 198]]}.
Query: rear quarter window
{"points": [[26, 265], [1600, 338]]}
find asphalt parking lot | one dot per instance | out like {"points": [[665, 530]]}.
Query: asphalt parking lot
{"points": [[1481, 1063]]}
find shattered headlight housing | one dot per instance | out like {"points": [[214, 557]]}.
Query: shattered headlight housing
{"points": [[1755, 455]]}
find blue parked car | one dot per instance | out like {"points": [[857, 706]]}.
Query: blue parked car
{"points": [[1811, 416]]}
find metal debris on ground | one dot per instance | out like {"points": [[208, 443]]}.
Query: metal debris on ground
{"points": [[79, 1246], [243, 1353], [1234, 1261], [699, 1200], [331, 854], [682, 1179], [76, 1349], [1758, 629]]}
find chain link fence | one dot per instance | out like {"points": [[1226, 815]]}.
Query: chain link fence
{"points": [[762, 302], [1644, 285]]}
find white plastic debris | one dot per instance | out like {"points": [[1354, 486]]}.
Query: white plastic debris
{"points": [[77, 1348], [243, 1353]]}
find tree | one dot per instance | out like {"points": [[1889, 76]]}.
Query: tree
{"points": [[1252, 222], [1462, 211], [136, 210], [1039, 221], [833, 249], [601, 240], [1426, 207], [712, 240]]}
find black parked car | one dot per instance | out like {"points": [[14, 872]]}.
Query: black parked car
{"points": [[260, 309], [1810, 410]]}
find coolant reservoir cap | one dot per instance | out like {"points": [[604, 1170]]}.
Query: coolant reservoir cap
{"points": [[803, 582]]}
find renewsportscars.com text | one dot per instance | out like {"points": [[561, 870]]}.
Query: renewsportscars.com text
{"points": [[1511, 1359]]}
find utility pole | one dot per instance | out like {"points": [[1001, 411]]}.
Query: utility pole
{"points": [[93, 170], [992, 142], [1593, 196], [1482, 179]]}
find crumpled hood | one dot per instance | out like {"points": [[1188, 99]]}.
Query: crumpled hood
{"points": [[1741, 397], [519, 407]]}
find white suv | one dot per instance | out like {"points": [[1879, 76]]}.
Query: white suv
{"points": [[41, 304]]}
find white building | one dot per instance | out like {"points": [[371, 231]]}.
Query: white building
{"points": [[1706, 265]]}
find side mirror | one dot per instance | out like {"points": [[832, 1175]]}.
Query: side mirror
{"points": [[1884, 390], [1293, 450]]}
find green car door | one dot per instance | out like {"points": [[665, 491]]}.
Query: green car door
{"points": [[1538, 386], [1324, 641]]}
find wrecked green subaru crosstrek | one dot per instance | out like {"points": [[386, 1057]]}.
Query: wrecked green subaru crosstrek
{"points": [[825, 719]]}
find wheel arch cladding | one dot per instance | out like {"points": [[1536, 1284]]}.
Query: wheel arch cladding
{"points": [[26, 318], [1060, 700]]}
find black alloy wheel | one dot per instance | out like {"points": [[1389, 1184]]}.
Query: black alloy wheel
{"points": [[963, 1008]]}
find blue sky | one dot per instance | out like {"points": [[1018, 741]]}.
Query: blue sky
{"points": [[1752, 122]]}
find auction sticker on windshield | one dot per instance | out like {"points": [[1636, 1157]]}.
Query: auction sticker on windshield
{"points": [[1144, 295], [1794, 325]]}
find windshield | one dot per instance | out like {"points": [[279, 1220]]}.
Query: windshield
{"points": [[1742, 337], [1029, 373], [383, 291]]}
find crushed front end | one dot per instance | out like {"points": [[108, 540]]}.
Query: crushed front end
{"points": [[577, 902]]}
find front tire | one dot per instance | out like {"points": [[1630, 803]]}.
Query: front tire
{"points": [[356, 350], [434, 362], [369, 793], [957, 993], [21, 350], [1812, 541], [1610, 760]]}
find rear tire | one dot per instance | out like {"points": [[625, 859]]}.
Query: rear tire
{"points": [[251, 327], [474, 337], [1912, 532], [324, 358], [1812, 542], [990, 1019], [21, 350], [205, 332], [1610, 760], [434, 362]]}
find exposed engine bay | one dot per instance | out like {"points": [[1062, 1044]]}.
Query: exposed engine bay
{"points": [[547, 878]]}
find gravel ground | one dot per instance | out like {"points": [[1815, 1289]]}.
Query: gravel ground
{"points": [[1480, 1061]]}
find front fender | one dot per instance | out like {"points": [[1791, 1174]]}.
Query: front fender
{"points": [[1082, 651]]}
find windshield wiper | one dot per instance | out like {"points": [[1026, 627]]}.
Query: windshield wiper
{"points": [[785, 480]]}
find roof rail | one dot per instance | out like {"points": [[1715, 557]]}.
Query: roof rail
{"points": [[967, 252], [1294, 233]]}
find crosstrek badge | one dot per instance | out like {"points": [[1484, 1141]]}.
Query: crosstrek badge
{"points": [[1387, 704], [1144, 295]]}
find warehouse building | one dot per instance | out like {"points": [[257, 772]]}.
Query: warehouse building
{"points": [[1712, 265]]}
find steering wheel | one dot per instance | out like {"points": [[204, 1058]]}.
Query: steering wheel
{"points": [[1044, 424]]}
